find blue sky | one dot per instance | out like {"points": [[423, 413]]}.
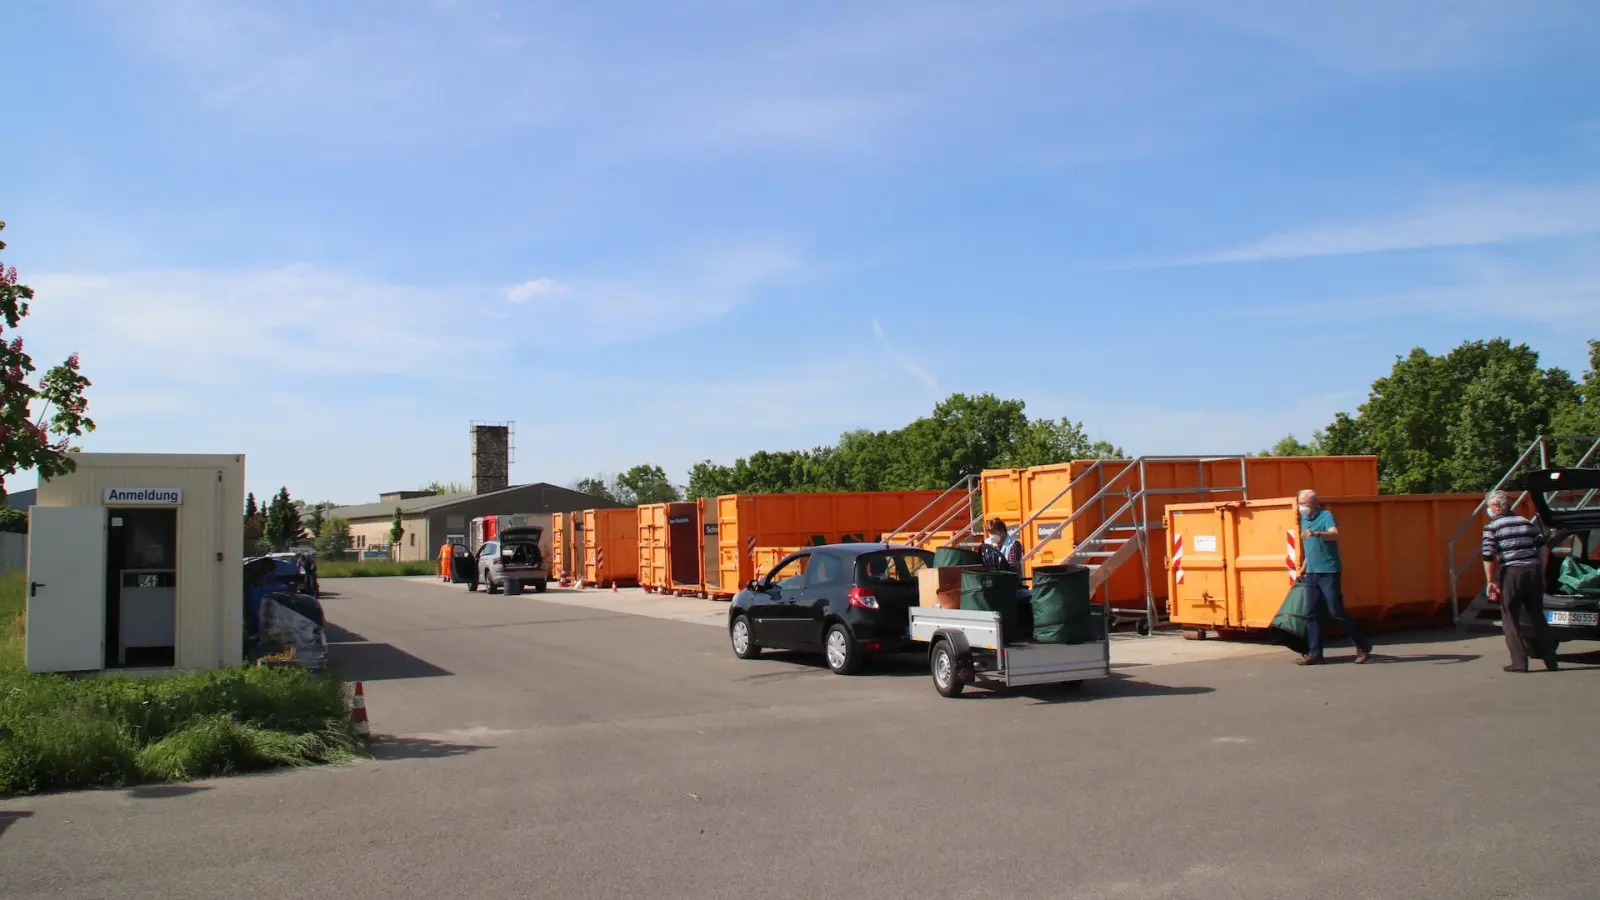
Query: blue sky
{"points": [[329, 235]]}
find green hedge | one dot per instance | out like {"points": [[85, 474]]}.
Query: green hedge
{"points": [[376, 569]]}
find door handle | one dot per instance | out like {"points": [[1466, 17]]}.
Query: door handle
{"points": [[33, 588]]}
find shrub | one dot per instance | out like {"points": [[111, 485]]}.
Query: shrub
{"points": [[376, 569]]}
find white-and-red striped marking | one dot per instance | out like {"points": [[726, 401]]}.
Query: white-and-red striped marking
{"points": [[1291, 557], [750, 546], [1177, 558], [599, 561]]}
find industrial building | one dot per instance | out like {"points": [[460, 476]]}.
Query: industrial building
{"points": [[429, 518]]}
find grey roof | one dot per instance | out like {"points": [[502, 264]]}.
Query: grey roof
{"points": [[434, 502], [22, 499]]}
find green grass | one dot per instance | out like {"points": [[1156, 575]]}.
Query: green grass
{"points": [[62, 732], [376, 569]]}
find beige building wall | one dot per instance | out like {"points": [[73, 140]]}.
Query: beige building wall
{"points": [[209, 565], [414, 544]]}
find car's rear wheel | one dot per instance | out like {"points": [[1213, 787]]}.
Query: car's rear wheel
{"points": [[744, 642], [843, 656], [488, 581]]}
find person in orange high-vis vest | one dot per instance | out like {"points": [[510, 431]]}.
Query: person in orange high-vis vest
{"points": [[447, 555]]}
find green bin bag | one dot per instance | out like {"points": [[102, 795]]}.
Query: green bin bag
{"points": [[956, 556], [994, 592], [1577, 577], [1062, 613], [1289, 627]]}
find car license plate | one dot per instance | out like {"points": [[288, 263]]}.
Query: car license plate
{"points": [[1562, 617]]}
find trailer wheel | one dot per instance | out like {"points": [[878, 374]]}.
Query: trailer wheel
{"points": [[1193, 634], [946, 671]]}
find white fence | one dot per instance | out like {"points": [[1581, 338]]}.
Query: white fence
{"points": [[13, 552]]}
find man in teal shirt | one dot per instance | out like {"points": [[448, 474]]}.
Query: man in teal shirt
{"points": [[1320, 571]]}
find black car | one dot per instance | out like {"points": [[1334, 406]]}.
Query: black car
{"points": [[1566, 500], [845, 601]]}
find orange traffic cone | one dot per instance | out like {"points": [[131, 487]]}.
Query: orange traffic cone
{"points": [[358, 713]]}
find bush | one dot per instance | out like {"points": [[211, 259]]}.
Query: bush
{"points": [[59, 732], [376, 569], [13, 612]]}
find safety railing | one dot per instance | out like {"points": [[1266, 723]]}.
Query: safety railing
{"points": [[968, 486]]}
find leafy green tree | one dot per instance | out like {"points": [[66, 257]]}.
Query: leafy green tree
{"points": [[446, 487], [1578, 414], [1456, 422], [595, 486], [283, 526], [646, 484], [1047, 441], [37, 437], [13, 521], [333, 538], [1290, 445], [314, 516], [397, 527]]}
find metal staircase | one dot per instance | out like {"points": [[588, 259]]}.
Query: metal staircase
{"points": [[955, 523], [1123, 502], [1479, 612]]}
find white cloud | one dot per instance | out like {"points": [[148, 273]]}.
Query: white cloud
{"points": [[906, 363], [538, 287], [1479, 216]]}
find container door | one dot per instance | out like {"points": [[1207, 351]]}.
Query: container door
{"points": [[1198, 569], [66, 589]]}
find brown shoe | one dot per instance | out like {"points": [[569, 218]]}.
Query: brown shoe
{"points": [[1520, 670], [1362, 655], [1309, 661]]}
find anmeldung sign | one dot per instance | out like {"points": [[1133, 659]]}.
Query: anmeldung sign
{"points": [[147, 496]]}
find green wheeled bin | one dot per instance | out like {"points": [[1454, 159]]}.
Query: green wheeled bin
{"points": [[1062, 612], [956, 556], [995, 592]]}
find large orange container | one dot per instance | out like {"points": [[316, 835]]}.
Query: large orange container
{"points": [[1018, 494], [611, 546], [566, 545], [1238, 558], [767, 558], [736, 524], [669, 547]]}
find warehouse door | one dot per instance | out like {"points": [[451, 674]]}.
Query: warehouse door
{"points": [[683, 557], [66, 595]]}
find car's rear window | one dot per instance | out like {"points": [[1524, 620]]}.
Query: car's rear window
{"points": [[891, 567]]}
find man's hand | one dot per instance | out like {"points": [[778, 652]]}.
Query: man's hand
{"points": [[1493, 591]]}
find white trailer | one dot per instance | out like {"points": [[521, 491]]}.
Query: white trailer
{"points": [[970, 647]]}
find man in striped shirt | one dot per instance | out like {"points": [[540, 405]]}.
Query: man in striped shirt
{"points": [[1514, 559]]}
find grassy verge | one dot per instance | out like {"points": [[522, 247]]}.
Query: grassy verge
{"points": [[376, 569], [61, 732]]}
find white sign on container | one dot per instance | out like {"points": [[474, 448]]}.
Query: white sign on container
{"points": [[1205, 543], [145, 496]]}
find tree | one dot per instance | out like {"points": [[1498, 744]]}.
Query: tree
{"points": [[250, 508], [397, 527], [1578, 414], [255, 525], [30, 438], [595, 487], [1290, 445], [283, 526], [446, 487], [333, 538], [645, 484], [13, 521], [314, 516], [1043, 442], [1453, 423]]}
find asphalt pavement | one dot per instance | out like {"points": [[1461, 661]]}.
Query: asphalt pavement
{"points": [[538, 749]]}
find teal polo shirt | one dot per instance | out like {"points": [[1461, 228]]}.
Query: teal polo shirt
{"points": [[1322, 557]]}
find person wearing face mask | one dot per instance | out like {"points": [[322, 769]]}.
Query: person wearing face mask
{"points": [[1320, 571], [1001, 552]]}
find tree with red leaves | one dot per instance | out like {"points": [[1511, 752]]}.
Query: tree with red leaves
{"points": [[35, 438]]}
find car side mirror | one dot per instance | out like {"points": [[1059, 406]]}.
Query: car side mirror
{"points": [[754, 585]]}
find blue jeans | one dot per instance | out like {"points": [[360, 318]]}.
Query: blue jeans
{"points": [[1327, 598]]}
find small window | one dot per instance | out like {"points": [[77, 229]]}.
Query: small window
{"points": [[892, 567], [412, 538], [790, 575], [825, 570]]}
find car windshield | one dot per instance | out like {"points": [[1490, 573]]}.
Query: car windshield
{"points": [[892, 567]]}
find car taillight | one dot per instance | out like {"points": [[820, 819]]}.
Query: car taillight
{"points": [[861, 599]]}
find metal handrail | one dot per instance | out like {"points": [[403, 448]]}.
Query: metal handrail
{"points": [[965, 504], [965, 483], [1105, 490]]}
